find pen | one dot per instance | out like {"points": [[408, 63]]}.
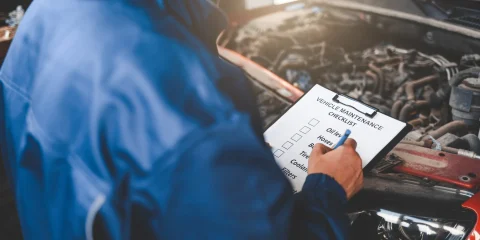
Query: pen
{"points": [[343, 139]]}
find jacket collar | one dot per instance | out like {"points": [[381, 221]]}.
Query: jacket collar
{"points": [[202, 17]]}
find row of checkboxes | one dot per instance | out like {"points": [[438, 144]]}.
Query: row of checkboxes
{"points": [[296, 137]]}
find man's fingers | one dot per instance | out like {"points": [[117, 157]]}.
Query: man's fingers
{"points": [[351, 142], [320, 149]]}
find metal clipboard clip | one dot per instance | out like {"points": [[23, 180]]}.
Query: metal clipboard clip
{"points": [[359, 106]]}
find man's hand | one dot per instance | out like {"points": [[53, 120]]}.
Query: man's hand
{"points": [[342, 164]]}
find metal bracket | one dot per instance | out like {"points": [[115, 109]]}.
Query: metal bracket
{"points": [[436, 144], [387, 163]]}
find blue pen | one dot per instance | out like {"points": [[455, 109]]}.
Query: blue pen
{"points": [[343, 139]]}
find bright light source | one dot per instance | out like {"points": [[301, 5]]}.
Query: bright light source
{"points": [[278, 2], [251, 4], [405, 224]]}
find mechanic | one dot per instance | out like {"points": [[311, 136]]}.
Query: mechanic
{"points": [[120, 121]]}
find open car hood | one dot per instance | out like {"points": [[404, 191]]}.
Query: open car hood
{"points": [[274, 51]]}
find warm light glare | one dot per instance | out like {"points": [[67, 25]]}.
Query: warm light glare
{"points": [[251, 4], [277, 2]]}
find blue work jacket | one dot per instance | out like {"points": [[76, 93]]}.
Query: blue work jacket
{"points": [[120, 121]]}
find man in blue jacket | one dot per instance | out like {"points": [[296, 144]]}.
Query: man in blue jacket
{"points": [[120, 121]]}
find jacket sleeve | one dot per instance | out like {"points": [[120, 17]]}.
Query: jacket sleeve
{"points": [[216, 183], [222, 183], [320, 210], [184, 162], [226, 185]]}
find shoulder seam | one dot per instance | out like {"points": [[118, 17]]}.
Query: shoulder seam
{"points": [[5, 80]]}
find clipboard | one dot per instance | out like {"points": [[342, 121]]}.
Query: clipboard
{"points": [[371, 112], [355, 104], [291, 134]]}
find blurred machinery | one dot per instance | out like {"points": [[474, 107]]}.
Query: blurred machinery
{"points": [[8, 23], [407, 69], [416, 72], [439, 97]]}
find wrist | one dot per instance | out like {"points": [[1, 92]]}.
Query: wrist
{"points": [[320, 185]]}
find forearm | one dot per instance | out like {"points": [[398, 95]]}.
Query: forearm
{"points": [[320, 210]]}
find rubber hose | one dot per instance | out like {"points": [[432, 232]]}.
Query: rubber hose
{"points": [[421, 121], [411, 107], [391, 60], [379, 73], [397, 106], [424, 144], [401, 68], [375, 79], [450, 127], [449, 149], [473, 142], [411, 86], [399, 92], [468, 73]]}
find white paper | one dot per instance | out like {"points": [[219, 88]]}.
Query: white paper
{"points": [[316, 118]]}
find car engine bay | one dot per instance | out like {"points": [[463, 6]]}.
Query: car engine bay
{"points": [[417, 74]]}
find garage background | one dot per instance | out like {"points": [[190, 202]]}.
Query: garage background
{"points": [[9, 224]]}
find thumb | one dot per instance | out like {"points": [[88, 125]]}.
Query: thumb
{"points": [[320, 149], [351, 143]]}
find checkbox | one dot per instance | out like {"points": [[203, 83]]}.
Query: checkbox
{"points": [[287, 145], [313, 122], [305, 130], [296, 137], [278, 153]]}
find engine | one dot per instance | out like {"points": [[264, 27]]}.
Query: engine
{"points": [[405, 70]]}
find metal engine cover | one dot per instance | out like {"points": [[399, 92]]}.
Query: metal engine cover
{"points": [[438, 166]]}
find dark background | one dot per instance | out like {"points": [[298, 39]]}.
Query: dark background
{"points": [[9, 5]]}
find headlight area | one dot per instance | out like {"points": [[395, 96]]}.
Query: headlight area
{"points": [[385, 224], [411, 210]]}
